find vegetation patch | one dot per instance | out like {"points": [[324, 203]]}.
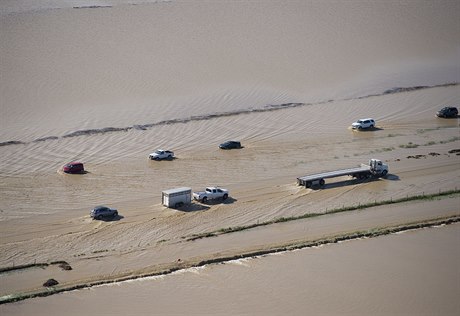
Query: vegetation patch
{"points": [[62, 264], [50, 282], [23, 267], [450, 140], [99, 251], [11, 142], [416, 156], [332, 211], [409, 145], [421, 131]]}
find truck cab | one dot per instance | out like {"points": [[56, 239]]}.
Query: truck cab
{"points": [[378, 167], [213, 190], [211, 193], [161, 154]]}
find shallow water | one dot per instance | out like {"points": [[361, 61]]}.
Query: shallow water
{"points": [[187, 76], [414, 273], [285, 143], [76, 69]]}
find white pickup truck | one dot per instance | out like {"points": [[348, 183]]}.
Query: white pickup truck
{"points": [[211, 193], [161, 154]]}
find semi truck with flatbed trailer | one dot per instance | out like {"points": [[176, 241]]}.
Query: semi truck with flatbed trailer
{"points": [[374, 169]]}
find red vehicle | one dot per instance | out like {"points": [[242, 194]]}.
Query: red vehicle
{"points": [[74, 167]]}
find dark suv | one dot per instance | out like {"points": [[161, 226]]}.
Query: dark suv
{"points": [[74, 167], [100, 212], [231, 144], [448, 111]]}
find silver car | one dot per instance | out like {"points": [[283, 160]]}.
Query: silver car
{"points": [[100, 212]]}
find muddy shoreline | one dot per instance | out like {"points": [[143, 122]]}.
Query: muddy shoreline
{"points": [[186, 264]]}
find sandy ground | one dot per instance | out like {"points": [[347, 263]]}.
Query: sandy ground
{"points": [[44, 214]]}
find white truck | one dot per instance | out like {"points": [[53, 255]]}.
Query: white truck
{"points": [[175, 198], [375, 169], [161, 154], [210, 193]]}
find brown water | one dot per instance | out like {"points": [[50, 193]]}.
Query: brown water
{"points": [[414, 273], [70, 69], [65, 70]]}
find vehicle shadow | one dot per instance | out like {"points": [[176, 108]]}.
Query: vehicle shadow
{"points": [[192, 207], [165, 159], [236, 148], [229, 200], [199, 206], [373, 129], [392, 177], [74, 173], [112, 219], [343, 183], [450, 117]]}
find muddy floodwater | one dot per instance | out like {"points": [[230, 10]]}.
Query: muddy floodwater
{"points": [[413, 273], [106, 83]]}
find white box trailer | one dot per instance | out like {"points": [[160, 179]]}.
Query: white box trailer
{"points": [[178, 197]]}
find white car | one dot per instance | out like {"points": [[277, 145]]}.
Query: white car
{"points": [[210, 193], [363, 123], [161, 154]]}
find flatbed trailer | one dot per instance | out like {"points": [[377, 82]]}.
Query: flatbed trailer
{"points": [[374, 169]]}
